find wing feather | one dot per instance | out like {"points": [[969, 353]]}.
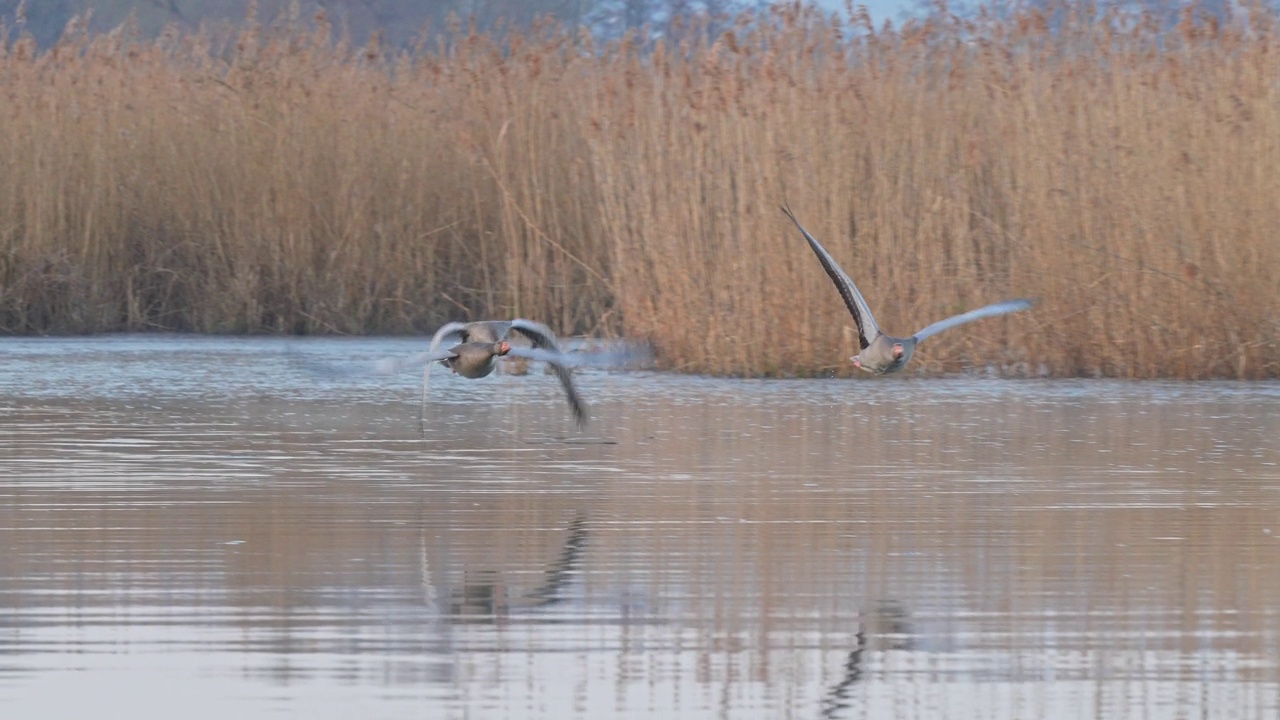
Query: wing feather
{"points": [[559, 363], [868, 330], [1000, 308], [391, 366], [540, 335]]}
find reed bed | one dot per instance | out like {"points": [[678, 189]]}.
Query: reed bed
{"points": [[280, 179]]}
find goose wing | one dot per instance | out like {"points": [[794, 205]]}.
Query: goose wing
{"points": [[391, 366], [386, 366], [544, 339], [450, 332], [559, 362], [537, 333], [1000, 308], [624, 355], [867, 327]]}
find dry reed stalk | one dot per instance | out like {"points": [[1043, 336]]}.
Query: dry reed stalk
{"points": [[277, 180]]}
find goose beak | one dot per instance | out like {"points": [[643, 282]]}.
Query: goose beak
{"points": [[856, 362], [504, 347], [897, 350]]}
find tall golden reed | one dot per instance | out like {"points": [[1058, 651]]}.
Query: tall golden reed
{"points": [[276, 179]]}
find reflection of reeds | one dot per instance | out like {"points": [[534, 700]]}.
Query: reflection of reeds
{"points": [[277, 181], [1140, 529]]}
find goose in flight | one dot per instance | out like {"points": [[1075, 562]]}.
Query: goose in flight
{"points": [[478, 345], [881, 353]]}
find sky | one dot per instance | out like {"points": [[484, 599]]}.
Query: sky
{"points": [[880, 10], [46, 24]]}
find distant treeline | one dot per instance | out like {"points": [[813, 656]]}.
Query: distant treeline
{"points": [[277, 180], [399, 23]]}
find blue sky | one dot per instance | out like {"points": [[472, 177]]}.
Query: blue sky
{"points": [[880, 10]]}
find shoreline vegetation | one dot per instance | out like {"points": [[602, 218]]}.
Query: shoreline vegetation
{"points": [[278, 179]]}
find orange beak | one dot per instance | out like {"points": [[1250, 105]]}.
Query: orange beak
{"points": [[897, 350], [504, 347]]}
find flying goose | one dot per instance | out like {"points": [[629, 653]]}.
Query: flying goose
{"points": [[882, 354], [481, 343]]}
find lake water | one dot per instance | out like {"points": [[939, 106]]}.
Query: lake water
{"points": [[208, 528]]}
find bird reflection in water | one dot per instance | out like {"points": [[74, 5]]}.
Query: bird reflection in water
{"points": [[892, 628], [837, 698], [483, 596]]}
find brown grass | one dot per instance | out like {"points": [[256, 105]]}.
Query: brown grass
{"points": [[279, 181]]}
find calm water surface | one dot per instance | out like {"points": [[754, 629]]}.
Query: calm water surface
{"points": [[202, 528]]}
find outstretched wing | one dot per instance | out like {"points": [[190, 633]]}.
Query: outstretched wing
{"points": [[391, 366], [540, 335], [386, 366], [999, 308], [868, 330], [622, 355], [544, 339], [450, 332], [559, 362]]}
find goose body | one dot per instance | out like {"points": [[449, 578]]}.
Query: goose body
{"points": [[475, 359], [882, 353]]}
